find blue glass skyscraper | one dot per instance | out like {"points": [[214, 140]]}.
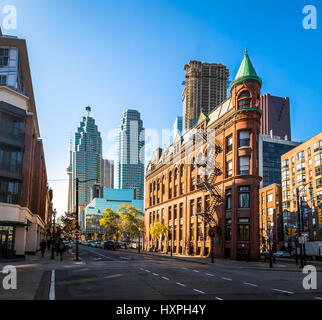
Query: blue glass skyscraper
{"points": [[130, 162], [86, 159]]}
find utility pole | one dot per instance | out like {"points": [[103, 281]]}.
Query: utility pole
{"points": [[77, 223], [299, 225]]}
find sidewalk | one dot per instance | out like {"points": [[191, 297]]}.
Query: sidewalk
{"points": [[281, 264]]}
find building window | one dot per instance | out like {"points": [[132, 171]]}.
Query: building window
{"points": [[4, 57], [228, 199], [317, 146], [181, 210], [229, 144], [244, 100], [300, 156], [318, 159], [192, 232], [9, 191], [243, 165], [198, 205], [229, 169], [3, 80], [192, 207], [243, 197], [318, 183], [270, 197], [318, 171], [175, 212], [243, 138], [228, 230], [243, 229], [193, 164], [192, 184], [207, 203], [169, 213], [270, 211], [309, 152]]}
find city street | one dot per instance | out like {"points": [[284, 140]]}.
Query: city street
{"points": [[127, 275]]}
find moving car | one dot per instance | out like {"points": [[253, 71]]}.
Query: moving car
{"points": [[91, 243]]}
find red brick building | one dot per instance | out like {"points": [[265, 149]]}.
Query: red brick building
{"points": [[179, 185]]}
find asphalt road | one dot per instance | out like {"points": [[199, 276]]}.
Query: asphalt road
{"points": [[127, 275]]}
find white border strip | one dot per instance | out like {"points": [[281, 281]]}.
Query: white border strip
{"points": [[52, 286]]}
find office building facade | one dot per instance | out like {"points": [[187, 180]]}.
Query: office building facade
{"points": [[108, 174], [87, 160], [276, 118], [130, 161], [205, 88], [113, 199], [271, 149], [302, 171], [24, 195]]}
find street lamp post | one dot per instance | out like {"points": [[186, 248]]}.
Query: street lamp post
{"points": [[270, 243], [77, 218], [53, 235]]}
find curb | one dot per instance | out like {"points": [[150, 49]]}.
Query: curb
{"points": [[237, 267]]}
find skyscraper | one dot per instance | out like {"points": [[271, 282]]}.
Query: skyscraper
{"points": [[205, 88], [70, 180], [108, 174], [275, 116], [130, 162], [87, 159]]}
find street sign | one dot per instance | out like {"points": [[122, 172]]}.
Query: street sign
{"points": [[77, 233]]}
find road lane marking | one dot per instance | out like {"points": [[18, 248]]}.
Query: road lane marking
{"points": [[165, 278], [52, 286], [195, 270], [113, 276], [124, 258], [228, 279], [184, 268], [147, 270], [199, 291], [319, 298], [155, 274], [217, 298], [284, 291], [209, 274], [102, 255], [181, 284], [251, 284]]}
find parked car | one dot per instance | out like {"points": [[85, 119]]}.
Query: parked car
{"points": [[84, 243], [91, 243], [118, 244], [98, 244], [109, 245], [67, 244], [281, 254]]}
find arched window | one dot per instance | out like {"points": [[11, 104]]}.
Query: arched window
{"points": [[170, 176], [181, 171], [244, 100], [175, 174]]}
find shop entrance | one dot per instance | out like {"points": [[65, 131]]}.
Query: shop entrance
{"points": [[3, 243]]}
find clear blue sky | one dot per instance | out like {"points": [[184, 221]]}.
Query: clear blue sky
{"points": [[115, 55]]}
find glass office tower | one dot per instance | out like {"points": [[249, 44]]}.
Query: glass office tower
{"points": [[87, 159], [130, 161]]}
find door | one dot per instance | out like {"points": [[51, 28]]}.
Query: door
{"points": [[3, 243]]}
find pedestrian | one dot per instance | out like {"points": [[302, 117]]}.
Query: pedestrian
{"points": [[61, 248], [48, 244], [43, 247]]}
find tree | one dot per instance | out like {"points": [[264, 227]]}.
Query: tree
{"points": [[131, 221], [157, 230], [110, 222], [66, 220]]}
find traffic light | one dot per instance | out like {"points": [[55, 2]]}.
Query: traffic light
{"points": [[320, 215], [288, 232], [293, 232], [74, 224]]}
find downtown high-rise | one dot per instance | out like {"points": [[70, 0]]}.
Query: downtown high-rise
{"points": [[86, 160], [130, 158], [205, 88]]}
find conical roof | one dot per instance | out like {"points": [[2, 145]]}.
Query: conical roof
{"points": [[246, 72]]}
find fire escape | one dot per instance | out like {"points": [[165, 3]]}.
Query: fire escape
{"points": [[212, 170]]}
